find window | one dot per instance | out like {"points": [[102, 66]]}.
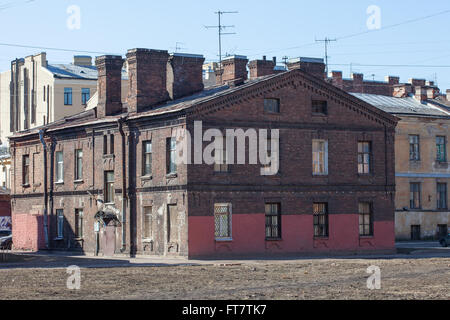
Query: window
{"points": [[221, 160], [414, 148], [85, 95], [320, 157], [59, 223], [26, 170], [78, 223], [415, 232], [109, 187], [147, 223], [147, 158], [222, 219], [111, 144], [415, 196], [5, 177], [442, 231], [105, 144], [272, 105], [442, 196], [273, 221], [171, 155], [364, 157], [44, 93], [78, 164], [59, 166], [365, 219], [441, 149], [67, 96], [319, 107], [320, 219]]}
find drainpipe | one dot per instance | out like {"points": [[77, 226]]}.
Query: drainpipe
{"points": [[124, 185], [41, 138]]}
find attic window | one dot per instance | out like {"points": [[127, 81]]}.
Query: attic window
{"points": [[272, 105], [319, 107]]}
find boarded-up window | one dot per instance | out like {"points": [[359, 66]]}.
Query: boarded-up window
{"points": [[222, 220], [147, 232], [319, 107], [172, 223]]}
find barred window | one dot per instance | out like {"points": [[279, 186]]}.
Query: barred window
{"points": [[222, 218], [365, 219], [364, 157], [273, 221], [441, 149], [320, 219], [319, 107], [414, 148]]}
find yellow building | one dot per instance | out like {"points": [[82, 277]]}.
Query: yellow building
{"points": [[34, 92], [422, 163]]}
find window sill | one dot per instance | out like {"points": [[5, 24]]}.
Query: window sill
{"points": [[323, 115], [224, 239], [274, 239], [109, 156], [172, 175], [110, 204], [149, 240], [320, 175], [79, 181], [58, 239], [322, 238], [367, 237], [26, 185], [59, 182], [146, 177]]}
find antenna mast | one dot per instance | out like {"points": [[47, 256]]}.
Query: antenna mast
{"points": [[326, 41], [221, 28]]}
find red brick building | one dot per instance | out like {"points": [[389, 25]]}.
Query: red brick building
{"points": [[105, 180]]}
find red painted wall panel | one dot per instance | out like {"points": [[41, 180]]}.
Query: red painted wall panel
{"points": [[297, 231], [28, 232]]}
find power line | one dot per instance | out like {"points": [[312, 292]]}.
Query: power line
{"points": [[53, 49]]}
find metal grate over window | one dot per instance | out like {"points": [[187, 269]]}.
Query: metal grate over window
{"points": [[222, 218]]}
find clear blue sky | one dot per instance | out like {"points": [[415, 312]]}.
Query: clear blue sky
{"points": [[269, 28]]}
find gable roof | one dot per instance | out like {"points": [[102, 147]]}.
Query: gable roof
{"points": [[216, 97], [402, 106]]}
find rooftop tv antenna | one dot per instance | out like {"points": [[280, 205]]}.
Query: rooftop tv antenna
{"points": [[221, 29], [326, 41]]}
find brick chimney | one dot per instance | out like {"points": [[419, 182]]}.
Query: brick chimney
{"points": [[313, 66], [234, 69], [261, 68], [147, 73], [184, 74], [336, 79], [402, 90], [392, 80], [358, 82], [432, 92], [417, 82], [109, 85], [448, 94], [420, 93]]}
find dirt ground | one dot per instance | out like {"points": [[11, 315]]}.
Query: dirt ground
{"points": [[297, 279]]}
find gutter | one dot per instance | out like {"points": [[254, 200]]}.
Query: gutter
{"points": [[41, 138], [124, 185]]}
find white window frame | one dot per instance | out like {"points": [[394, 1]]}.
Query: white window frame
{"points": [[59, 179], [325, 157], [230, 212]]}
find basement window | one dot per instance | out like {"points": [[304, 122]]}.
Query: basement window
{"points": [[365, 219], [222, 221], [320, 219], [273, 221]]}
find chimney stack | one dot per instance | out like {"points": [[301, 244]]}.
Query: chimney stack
{"points": [[313, 66], [417, 82], [109, 85], [448, 95], [402, 90], [358, 82], [392, 80], [336, 79], [420, 93], [83, 61], [234, 69], [260, 68], [184, 74], [147, 72]]}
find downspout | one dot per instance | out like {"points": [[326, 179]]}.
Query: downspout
{"points": [[124, 185], [41, 138]]}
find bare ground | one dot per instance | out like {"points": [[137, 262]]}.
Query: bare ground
{"points": [[297, 279]]}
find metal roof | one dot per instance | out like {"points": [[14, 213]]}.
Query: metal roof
{"points": [[71, 71], [405, 106]]}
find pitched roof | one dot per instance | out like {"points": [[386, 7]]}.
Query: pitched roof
{"points": [[402, 106], [71, 71]]}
